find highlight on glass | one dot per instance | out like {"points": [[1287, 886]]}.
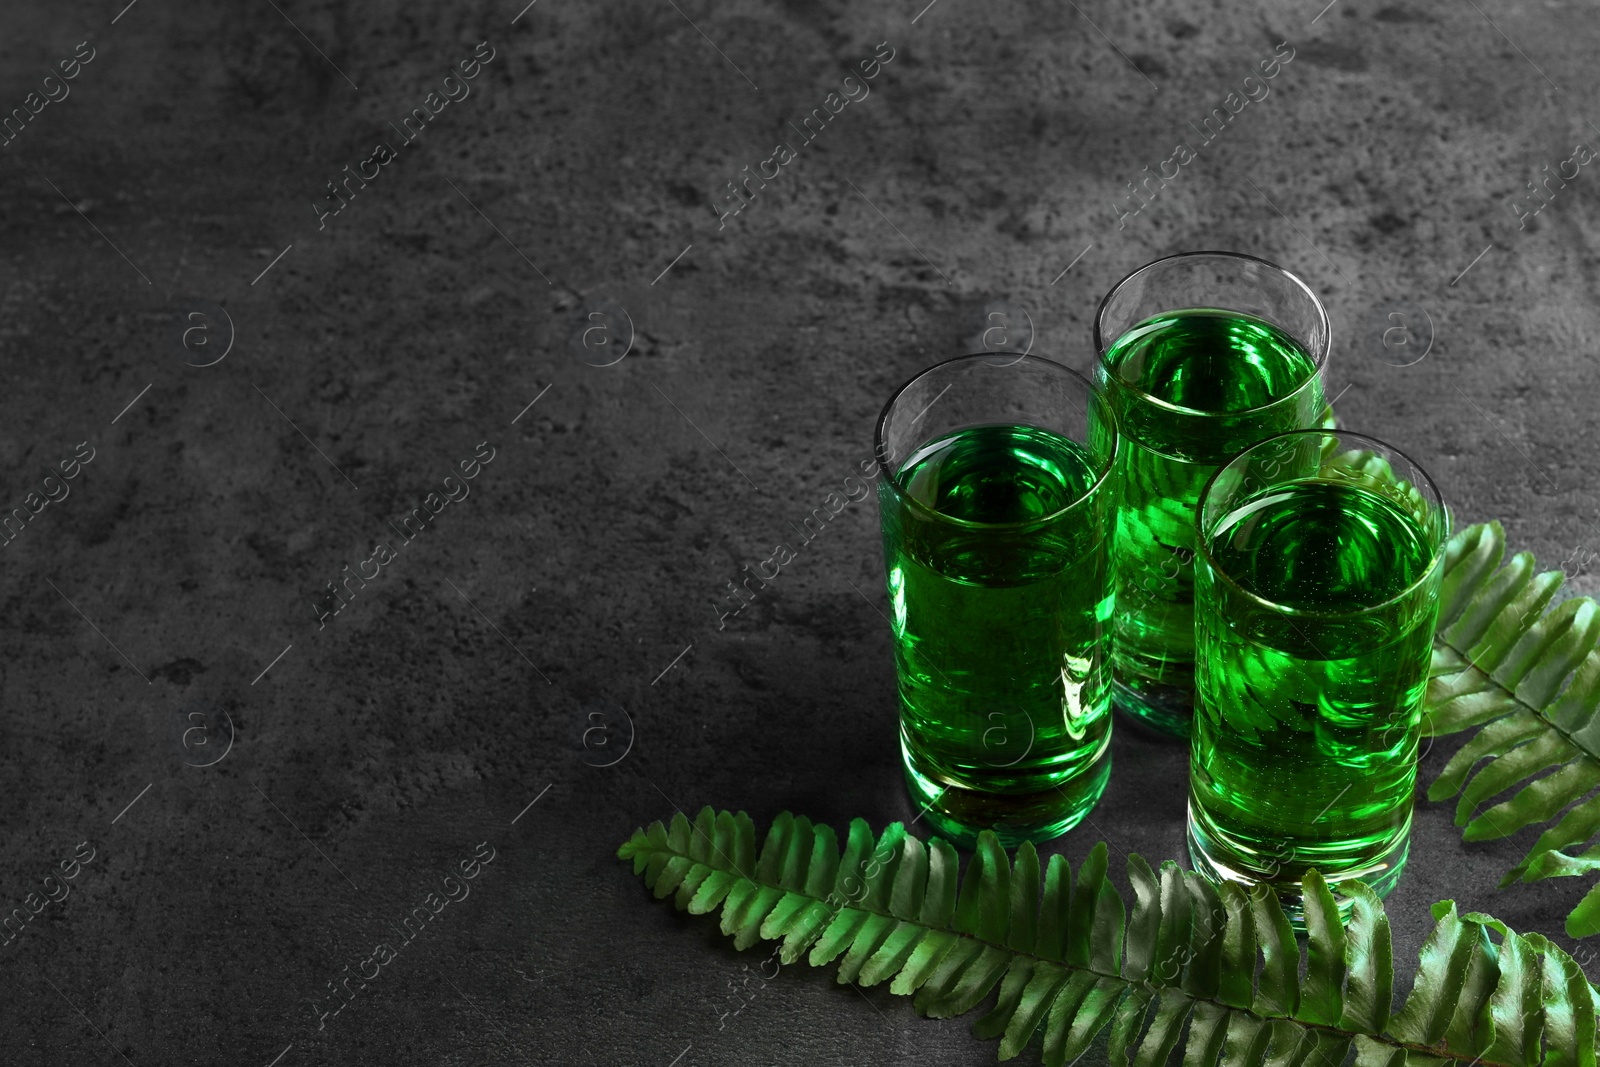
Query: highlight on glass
{"points": [[996, 510], [1200, 355], [1316, 596]]}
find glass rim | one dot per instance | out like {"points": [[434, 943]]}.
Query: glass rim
{"points": [[889, 477], [1319, 359], [1434, 563]]}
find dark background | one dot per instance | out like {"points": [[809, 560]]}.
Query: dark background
{"points": [[178, 583]]}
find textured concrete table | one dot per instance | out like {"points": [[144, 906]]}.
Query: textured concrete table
{"points": [[280, 275]]}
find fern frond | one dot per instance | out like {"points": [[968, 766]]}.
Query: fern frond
{"points": [[1211, 969], [1529, 676]]}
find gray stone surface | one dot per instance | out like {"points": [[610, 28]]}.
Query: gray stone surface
{"points": [[372, 354]]}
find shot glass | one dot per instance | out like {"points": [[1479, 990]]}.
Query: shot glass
{"points": [[1200, 355], [995, 504], [1316, 596]]}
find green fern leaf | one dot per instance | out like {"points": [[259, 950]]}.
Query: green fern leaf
{"points": [[1211, 970], [1528, 676]]}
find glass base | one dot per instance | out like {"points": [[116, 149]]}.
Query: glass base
{"points": [[958, 812], [1166, 711], [1210, 856]]}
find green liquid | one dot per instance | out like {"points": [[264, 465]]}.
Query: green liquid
{"points": [[998, 620], [1305, 735], [1185, 387]]}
